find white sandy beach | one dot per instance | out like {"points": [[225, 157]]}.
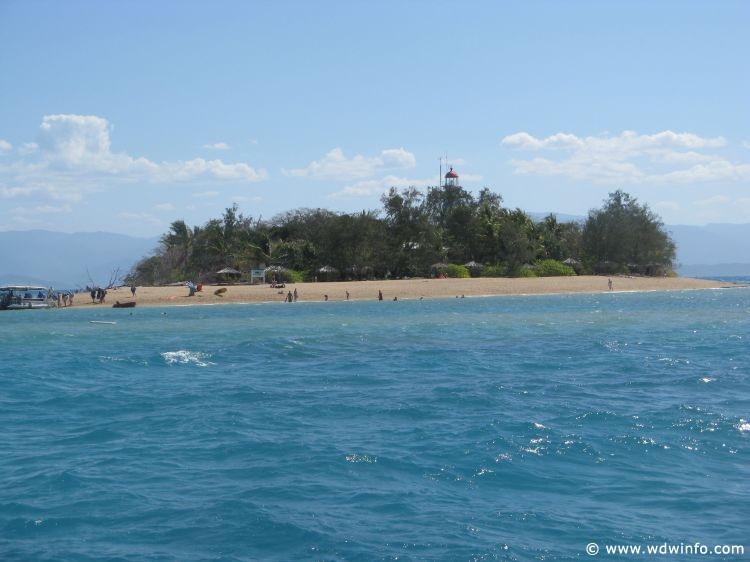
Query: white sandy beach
{"points": [[402, 289]]}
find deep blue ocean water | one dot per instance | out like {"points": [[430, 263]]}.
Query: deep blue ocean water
{"points": [[510, 428]]}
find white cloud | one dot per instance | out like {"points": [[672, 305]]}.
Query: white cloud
{"points": [[245, 199], [11, 192], [28, 148], [217, 146], [164, 207], [139, 217], [335, 165], [629, 158], [526, 141], [42, 209], [718, 169], [715, 200], [78, 147], [367, 188], [667, 205], [457, 162], [5, 146], [370, 187]]}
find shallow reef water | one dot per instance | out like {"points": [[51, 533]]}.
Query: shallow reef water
{"points": [[502, 428]]}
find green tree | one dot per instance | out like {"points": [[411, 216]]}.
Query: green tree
{"points": [[413, 241], [625, 235]]}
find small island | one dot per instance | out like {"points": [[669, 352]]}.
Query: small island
{"points": [[446, 232]]}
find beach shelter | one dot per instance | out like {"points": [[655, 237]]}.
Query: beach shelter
{"points": [[474, 267], [228, 273], [276, 271], [327, 272], [574, 263]]}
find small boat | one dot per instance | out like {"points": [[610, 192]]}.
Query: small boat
{"points": [[119, 304], [19, 297]]}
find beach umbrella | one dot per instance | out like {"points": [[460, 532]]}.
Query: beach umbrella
{"points": [[474, 265], [327, 273], [228, 271]]}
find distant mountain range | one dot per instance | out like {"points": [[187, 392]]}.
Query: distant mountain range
{"points": [[75, 260], [68, 260]]}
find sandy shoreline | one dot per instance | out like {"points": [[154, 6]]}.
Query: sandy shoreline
{"points": [[403, 289]]}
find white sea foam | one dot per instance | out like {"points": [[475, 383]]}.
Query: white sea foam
{"points": [[707, 379], [743, 425], [186, 357], [361, 458]]}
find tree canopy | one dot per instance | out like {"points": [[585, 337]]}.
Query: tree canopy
{"points": [[626, 236], [412, 233]]}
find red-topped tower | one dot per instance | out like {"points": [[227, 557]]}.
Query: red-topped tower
{"points": [[451, 178]]}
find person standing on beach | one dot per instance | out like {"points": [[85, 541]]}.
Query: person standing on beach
{"points": [[132, 290], [347, 295], [296, 296], [288, 297], [380, 295], [609, 282]]}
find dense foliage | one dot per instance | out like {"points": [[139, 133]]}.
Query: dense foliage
{"points": [[447, 231], [624, 236]]}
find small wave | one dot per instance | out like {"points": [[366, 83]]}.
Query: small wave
{"points": [[707, 380], [504, 457], [354, 458], [186, 357], [743, 425]]}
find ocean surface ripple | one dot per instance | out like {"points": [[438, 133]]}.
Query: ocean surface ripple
{"points": [[509, 428]]}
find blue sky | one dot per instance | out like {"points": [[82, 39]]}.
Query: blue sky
{"points": [[124, 116]]}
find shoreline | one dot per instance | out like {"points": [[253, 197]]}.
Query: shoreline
{"points": [[401, 289]]}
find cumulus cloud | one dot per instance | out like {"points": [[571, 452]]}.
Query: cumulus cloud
{"points": [[217, 146], [335, 165], [80, 147], [5, 146], [665, 157]]}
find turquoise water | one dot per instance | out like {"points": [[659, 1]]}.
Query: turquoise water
{"points": [[515, 428]]}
